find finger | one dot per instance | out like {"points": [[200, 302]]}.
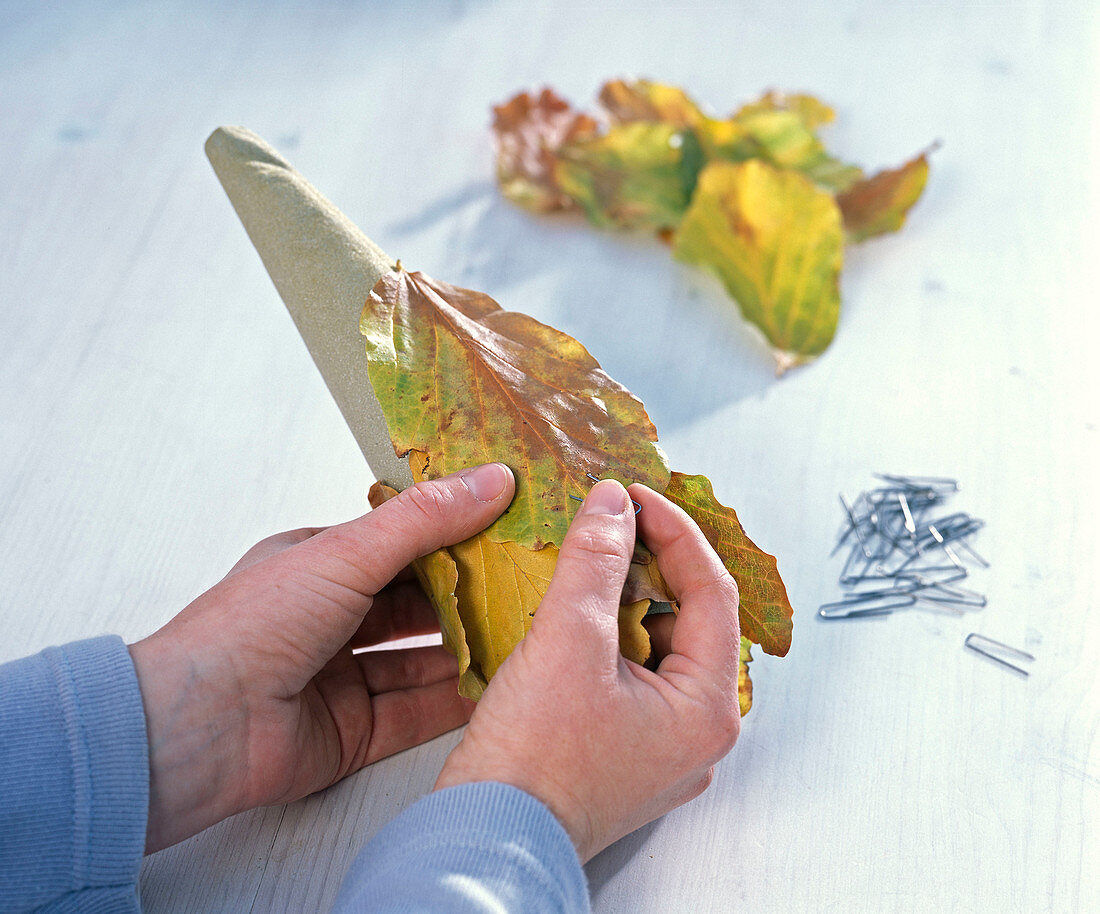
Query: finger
{"points": [[591, 568], [273, 545], [363, 555], [386, 671], [706, 629], [409, 717], [399, 611]]}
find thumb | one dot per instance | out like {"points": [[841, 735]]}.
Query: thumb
{"points": [[584, 592], [365, 554]]}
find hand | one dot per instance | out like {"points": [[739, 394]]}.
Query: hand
{"points": [[252, 694], [606, 744]]}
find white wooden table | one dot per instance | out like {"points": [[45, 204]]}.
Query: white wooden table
{"points": [[158, 412]]}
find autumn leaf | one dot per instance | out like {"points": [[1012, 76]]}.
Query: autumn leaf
{"points": [[461, 381], [785, 140], [529, 131], [879, 204], [744, 683], [776, 243], [765, 611], [644, 580], [637, 175], [438, 576], [486, 594], [498, 591], [811, 111], [642, 100], [465, 382], [645, 171], [645, 101]]}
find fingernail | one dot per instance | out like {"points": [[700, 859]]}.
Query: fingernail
{"points": [[606, 497], [486, 482]]}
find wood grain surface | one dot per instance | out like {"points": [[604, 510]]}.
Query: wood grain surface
{"points": [[158, 412]]}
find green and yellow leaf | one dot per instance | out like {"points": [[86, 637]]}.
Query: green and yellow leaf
{"points": [[765, 612], [638, 175], [784, 139], [812, 111], [775, 241]]}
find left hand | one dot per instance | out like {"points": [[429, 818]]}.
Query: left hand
{"points": [[253, 695]]}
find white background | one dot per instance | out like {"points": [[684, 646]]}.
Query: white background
{"points": [[158, 412]]}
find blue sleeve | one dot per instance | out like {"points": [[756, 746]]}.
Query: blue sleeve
{"points": [[472, 849], [74, 779]]}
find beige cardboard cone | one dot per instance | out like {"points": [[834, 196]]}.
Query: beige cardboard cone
{"points": [[323, 268]]}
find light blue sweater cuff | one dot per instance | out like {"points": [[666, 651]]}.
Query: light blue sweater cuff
{"points": [[471, 849], [74, 788]]}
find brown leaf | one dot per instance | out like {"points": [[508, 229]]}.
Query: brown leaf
{"points": [[529, 131], [644, 580], [880, 203]]}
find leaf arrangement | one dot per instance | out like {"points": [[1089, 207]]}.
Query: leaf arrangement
{"points": [[461, 381], [754, 198]]}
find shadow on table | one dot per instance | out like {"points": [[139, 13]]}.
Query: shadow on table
{"points": [[606, 865], [665, 331]]}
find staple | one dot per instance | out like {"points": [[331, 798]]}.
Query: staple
{"points": [[893, 561], [847, 579], [844, 609], [947, 550], [637, 507], [937, 482], [996, 648], [919, 576], [944, 596], [965, 545], [855, 525]]}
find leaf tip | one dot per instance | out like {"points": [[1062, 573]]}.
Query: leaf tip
{"points": [[785, 361]]}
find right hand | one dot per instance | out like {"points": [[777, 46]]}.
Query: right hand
{"points": [[606, 744]]}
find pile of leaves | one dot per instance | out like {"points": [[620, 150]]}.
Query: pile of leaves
{"points": [[754, 197], [462, 381]]}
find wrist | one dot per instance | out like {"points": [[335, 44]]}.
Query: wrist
{"points": [[194, 737], [567, 809]]}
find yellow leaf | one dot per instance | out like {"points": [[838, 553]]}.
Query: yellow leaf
{"points": [[438, 575], [633, 637], [486, 595], [812, 111], [784, 140], [500, 585], [744, 684], [775, 241]]}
